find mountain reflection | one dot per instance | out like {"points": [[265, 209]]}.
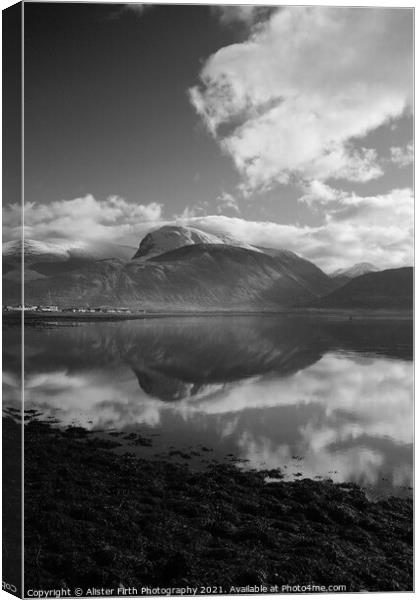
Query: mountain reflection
{"points": [[182, 360], [336, 394], [176, 358]]}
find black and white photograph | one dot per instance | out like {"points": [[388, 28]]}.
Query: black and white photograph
{"points": [[208, 250]]}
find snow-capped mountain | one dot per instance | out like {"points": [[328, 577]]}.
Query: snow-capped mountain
{"points": [[175, 268], [34, 248], [356, 270], [171, 237]]}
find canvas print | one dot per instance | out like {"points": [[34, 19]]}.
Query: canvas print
{"points": [[207, 299]]}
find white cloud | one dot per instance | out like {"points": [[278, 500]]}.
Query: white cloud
{"points": [[227, 204], [308, 84], [402, 156], [119, 10], [245, 13], [319, 192], [86, 219], [376, 229], [196, 210]]}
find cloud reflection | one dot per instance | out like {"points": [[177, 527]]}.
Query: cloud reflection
{"points": [[338, 397], [349, 417]]}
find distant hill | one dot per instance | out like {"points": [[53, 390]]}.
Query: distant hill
{"points": [[342, 276], [392, 288]]}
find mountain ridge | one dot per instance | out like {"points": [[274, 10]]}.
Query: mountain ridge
{"points": [[193, 277], [355, 270], [343, 275], [176, 268], [390, 288]]}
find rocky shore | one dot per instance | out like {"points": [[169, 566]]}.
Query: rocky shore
{"points": [[95, 518]]}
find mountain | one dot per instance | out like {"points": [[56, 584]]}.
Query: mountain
{"points": [[197, 276], [44, 259], [223, 277], [185, 269], [171, 237], [35, 251], [392, 288], [33, 248], [342, 276]]}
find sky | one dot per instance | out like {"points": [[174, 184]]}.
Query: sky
{"points": [[290, 127]]}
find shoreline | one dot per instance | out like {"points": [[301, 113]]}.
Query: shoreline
{"points": [[136, 522], [355, 313]]}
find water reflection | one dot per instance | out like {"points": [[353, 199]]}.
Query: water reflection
{"points": [[314, 397]]}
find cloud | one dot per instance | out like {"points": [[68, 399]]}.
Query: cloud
{"points": [[338, 386], [318, 192], [199, 209], [227, 204], [84, 219], [298, 96], [402, 156], [377, 229], [353, 415], [119, 10], [245, 13]]}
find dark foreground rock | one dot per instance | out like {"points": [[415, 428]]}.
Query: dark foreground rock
{"points": [[12, 504], [93, 518]]}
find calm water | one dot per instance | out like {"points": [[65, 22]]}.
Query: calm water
{"points": [[315, 398]]}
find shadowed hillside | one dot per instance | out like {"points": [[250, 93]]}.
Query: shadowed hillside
{"points": [[392, 289]]}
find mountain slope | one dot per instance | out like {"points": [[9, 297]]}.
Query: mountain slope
{"points": [[218, 276], [44, 259], [392, 288], [195, 277], [208, 275], [41, 259]]}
